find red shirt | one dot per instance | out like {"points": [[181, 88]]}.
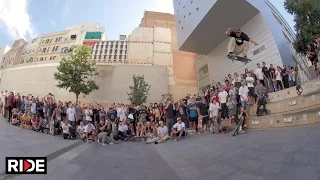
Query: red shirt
{"points": [[10, 101]]}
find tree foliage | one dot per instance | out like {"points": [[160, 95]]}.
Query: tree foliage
{"points": [[76, 72], [307, 21], [139, 90]]}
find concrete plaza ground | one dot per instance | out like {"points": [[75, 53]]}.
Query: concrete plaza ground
{"points": [[284, 154]]}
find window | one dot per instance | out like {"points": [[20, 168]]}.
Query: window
{"points": [[182, 28], [48, 49], [179, 22], [96, 51], [105, 57], [59, 39], [99, 56], [41, 59], [197, 9], [50, 40], [115, 57], [124, 57], [54, 57], [184, 7], [191, 2], [110, 56], [44, 50], [120, 57], [95, 57], [57, 48], [45, 58], [73, 37], [31, 59], [53, 48], [50, 58], [184, 16], [40, 50], [189, 13], [47, 41], [56, 40]]}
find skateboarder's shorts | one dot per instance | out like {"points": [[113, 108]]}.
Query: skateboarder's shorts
{"points": [[183, 133], [205, 120], [193, 119]]}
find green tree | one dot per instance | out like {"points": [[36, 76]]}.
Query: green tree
{"points": [[76, 72], [139, 90], [307, 21]]}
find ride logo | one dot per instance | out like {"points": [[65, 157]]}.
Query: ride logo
{"points": [[26, 165]]}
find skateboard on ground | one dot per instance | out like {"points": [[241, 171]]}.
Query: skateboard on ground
{"points": [[236, 130], [239, 58]]}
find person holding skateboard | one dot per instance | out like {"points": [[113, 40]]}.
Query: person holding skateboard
{"points": [[237, 44]]}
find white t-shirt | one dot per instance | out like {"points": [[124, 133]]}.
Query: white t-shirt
{"points": [[88, 112], [65, 128], [71, 114], [81, 129], [243, 92], [259, 73], [89, 128], [223, 96], [250, 81], [278, 75], [179, 126], [123, 127], [214, 109]]}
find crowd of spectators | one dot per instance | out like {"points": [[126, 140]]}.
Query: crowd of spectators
{"points": [[313, 54]]}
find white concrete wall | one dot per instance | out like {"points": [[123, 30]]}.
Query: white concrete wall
{"points": [[114, 82], [257, 29], [3, 51]]}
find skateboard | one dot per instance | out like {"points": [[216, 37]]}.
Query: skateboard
{"points": [[51, 127], [236, 130], [239, 58], [200, 123]]}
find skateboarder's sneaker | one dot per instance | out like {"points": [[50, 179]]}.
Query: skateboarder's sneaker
{"points": [[241, 132], [230, 55]]}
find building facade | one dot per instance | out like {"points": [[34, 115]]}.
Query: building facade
{"points": [[3, 51], [201, 27], [150, 50]]}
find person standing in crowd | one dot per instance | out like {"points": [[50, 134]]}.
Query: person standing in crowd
{"points": [[9, 104], [266, 75], [279, 78], [243, 92], [203, 111], [214, 113], [250, 86], [272, 73], [170, 115], [71, 114], [193, 113], [285, 77], [259, 74], [223, 102], [182, 112]]}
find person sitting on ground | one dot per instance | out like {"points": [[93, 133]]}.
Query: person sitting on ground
{"points": [[140, 130], [35, 122], [17, 121], [65, 129], [162, 135], [236, 44], [102, 135], [81, 130], [89, 131], [178, 129], [149, 129], [123, 130], [14, 115]]}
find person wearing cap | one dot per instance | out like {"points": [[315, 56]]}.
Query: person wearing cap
{"points": [[237, 44], [178, 129]]}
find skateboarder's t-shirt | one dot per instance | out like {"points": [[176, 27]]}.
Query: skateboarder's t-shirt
{"points": [[239, 40]]}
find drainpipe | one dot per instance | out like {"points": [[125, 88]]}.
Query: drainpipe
{"points": [[197, 74]]}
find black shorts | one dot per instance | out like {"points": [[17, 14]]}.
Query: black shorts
{"points": [[193, 119], [251, 91], [205, 120]]}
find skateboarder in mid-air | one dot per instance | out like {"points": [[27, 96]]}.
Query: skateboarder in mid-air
{"points": [[237, 43]]}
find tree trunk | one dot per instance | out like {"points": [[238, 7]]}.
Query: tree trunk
{"points": [[77, 97]]}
